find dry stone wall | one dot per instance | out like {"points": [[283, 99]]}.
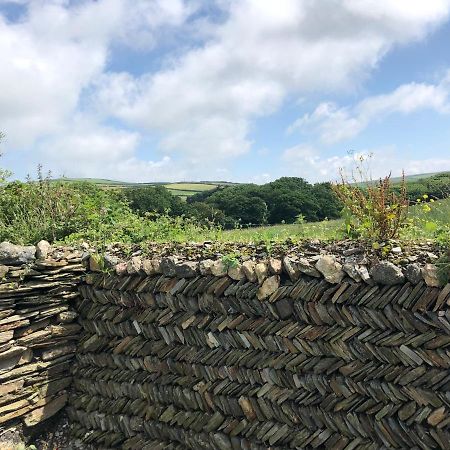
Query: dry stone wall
{"points": [[310, 350], [38, 331]]}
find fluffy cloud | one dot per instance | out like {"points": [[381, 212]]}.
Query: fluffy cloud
{"points": [[335, 124], [204, 102], [55, 51], [307, 162]]}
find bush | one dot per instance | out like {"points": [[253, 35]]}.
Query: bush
{"points": [[73, 212], [156, 199], [374, 211]]}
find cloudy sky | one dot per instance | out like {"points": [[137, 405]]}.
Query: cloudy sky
{"points": [[241, 90]]}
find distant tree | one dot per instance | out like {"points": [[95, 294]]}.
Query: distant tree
{"points": [[207, 214], [154, 199], [329, 205], [243, 203], [203, 195], [289, 197]]}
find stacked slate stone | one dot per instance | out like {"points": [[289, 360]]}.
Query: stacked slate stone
{"points": [[289, 353], [37, 331]]}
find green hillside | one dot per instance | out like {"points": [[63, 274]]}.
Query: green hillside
{"points": [[180, 189]]}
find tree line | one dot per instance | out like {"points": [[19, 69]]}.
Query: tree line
{"points": [[282, 201]]}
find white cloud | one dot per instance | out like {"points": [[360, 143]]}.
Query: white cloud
{"points": [[335, 124], [201, 105], [87, 149], [204, 102], [307, 162]]}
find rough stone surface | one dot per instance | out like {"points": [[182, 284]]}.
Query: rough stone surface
{"points": [[330, 268], [387, 273], [352, 271], [3, 271], [268, 287], [168, 266], [218, 268], [42, 249], [430, 275], [15, 255], [186, 269], [307, 268], [205, 266], [275, 266], [261, 271], [291, 268], [249, 269], [134, 266], [413, 273], [236, 272]]}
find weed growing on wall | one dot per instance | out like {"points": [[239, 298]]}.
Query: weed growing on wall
{"points": [[372, 210]]}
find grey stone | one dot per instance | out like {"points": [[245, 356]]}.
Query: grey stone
{"points": [[330, 268], [42, 249], [413, 273], [236, 272], [205, 266], [352, 271], [307, 268], [284, 308], [291, 268], [168, 266], [110, 261], [352, 251], [134, 266], [275, 266], [387, 273], [186, 269], [364, 274], [14, 255]]}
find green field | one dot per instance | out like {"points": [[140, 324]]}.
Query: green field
{"points": [[180, 189], [333, 229]]}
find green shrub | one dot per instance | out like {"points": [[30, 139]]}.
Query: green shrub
{"points": [[372, 210], [73, 212]]}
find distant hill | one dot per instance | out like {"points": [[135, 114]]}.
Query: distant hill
{"points": [[418, 176], [181, 189], [187, 188]]}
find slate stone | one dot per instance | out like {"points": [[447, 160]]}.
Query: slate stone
{"points": [[387, 273], [330, 268], [430, 275], [42, 249], [14, 255], [413, 273]]}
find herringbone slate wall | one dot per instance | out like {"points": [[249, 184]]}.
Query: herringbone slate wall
{"points": [[208, 362]]}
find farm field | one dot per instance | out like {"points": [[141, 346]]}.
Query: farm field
{"points": [[333, 229], [180, 189]]}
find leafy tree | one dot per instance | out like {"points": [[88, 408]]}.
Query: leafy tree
{"points": [[289, 197], [155, 199], [243, 203], [329, 205], [207, 214]]}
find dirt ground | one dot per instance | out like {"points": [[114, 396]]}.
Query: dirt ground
{"points": [[54, 434]]}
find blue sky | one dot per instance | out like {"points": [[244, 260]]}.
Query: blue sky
{"points": [[238, 90]]}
